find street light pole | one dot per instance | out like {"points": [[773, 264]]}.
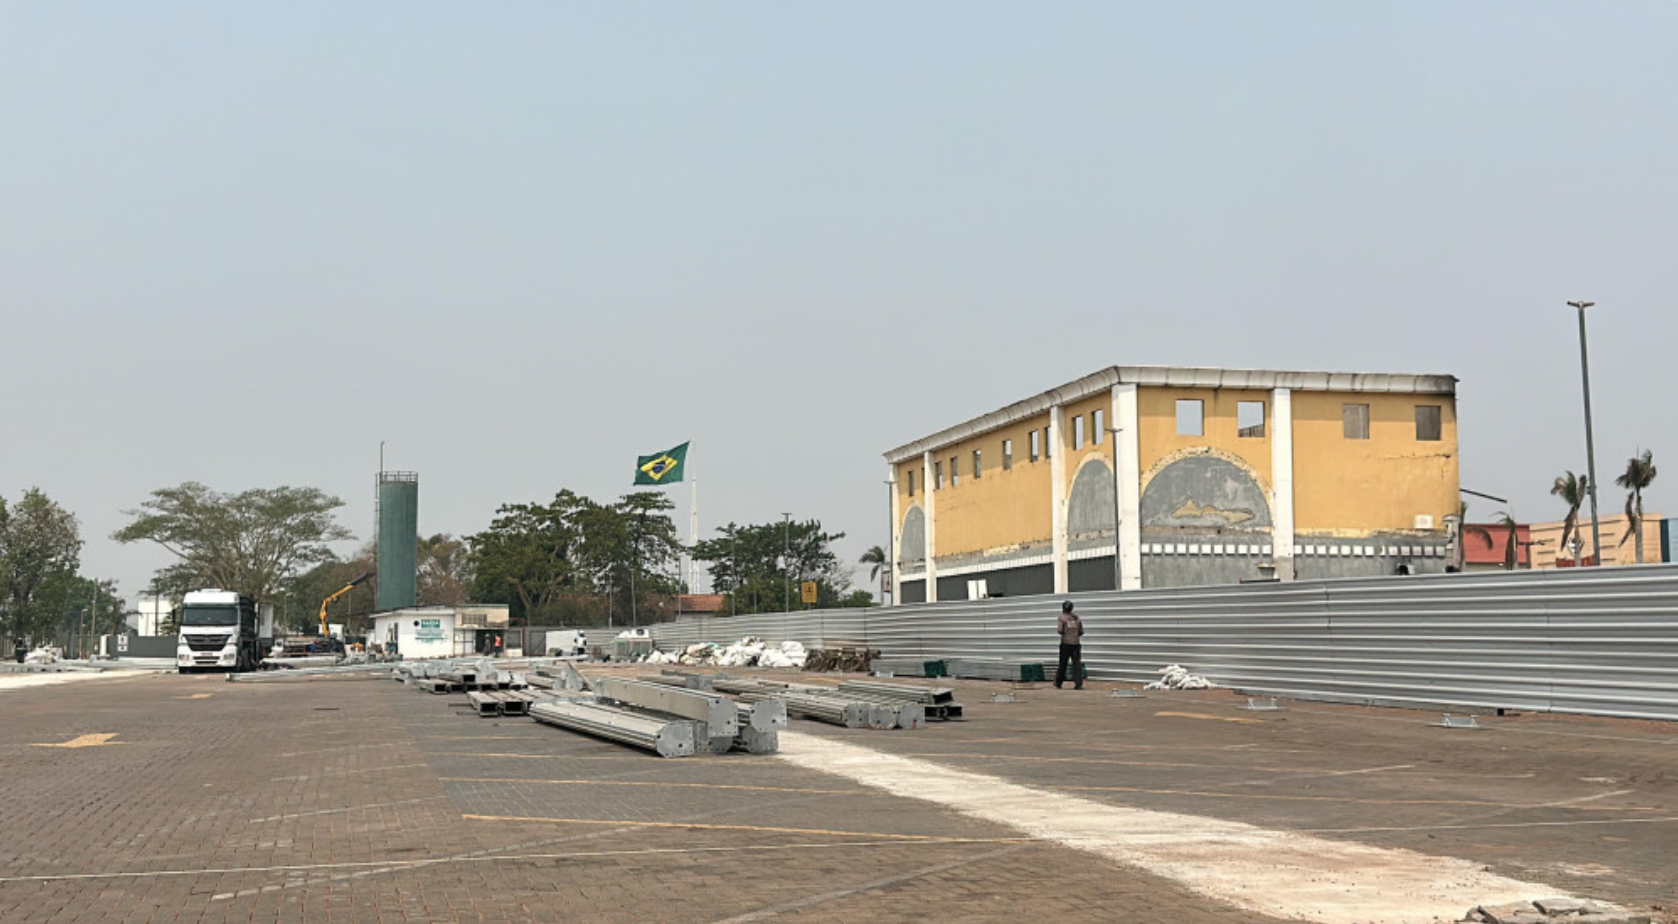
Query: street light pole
{"points": [[1590, 448], [1118, 581], [786, 559], [891, 541]]}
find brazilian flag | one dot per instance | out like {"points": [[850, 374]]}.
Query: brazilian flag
{"points": [[661, 467]]}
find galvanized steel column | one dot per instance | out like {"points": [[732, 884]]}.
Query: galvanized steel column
{"points": [[1057, 493], [1128, 457], [931, 528], [1281, 477]]}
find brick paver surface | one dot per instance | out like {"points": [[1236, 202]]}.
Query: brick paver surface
{"points": [[367, 801]]}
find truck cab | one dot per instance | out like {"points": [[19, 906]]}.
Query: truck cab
{"points": [[222, 631]]}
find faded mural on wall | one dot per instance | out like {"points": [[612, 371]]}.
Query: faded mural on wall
{"points": [[1204, 492]]}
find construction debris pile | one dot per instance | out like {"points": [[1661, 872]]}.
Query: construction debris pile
{"points": [[847, 660], [747, 652], [1177, 677]]}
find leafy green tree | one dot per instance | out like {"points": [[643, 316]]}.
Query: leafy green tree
{"points": [[1572, 489], [298, 600], [249, 542], [528, 558], [40, 550], [761, 566], [444, 571], [92, 608], [577, 562], [1639, 473]]}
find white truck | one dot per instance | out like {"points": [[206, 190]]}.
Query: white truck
{"points": [[222, 631]]}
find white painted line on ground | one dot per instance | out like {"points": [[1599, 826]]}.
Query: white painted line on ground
{"points": [[1281, 873]]}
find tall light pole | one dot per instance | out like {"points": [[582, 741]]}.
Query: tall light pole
{"points": [[786, 559], [1590, 448], [891, 540], [1118, 581]]}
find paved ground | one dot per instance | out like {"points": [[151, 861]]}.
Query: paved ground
{"points": [[365, 801]]}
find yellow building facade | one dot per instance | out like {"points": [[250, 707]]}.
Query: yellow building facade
{"points": [[1212, 476]]}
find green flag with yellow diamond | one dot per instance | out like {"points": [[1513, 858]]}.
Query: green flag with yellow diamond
{"points": [[661, 467]]}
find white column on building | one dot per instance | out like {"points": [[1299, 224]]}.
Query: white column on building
{"points": [[1127, 449], [1281, 477], [931, 528], [894, 544], [1057, 493]]}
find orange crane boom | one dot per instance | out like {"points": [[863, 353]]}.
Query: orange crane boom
{"points": [[339, 593]]}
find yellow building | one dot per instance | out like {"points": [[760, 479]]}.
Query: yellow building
{"points": [[1222, 476]]}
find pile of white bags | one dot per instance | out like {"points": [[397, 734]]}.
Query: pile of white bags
{"points": [[747, 652], [1177, 677]]}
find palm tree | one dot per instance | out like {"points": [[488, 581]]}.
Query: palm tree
{"points": [[1573, 489], [1640, 470], [876, 557], [1511, 549]]}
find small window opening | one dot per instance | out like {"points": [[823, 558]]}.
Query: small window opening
{"points": [[1428, 427], [1191, 417], [1097, 427], [1354, 420], [1007, 455], [1078, 432], [1249, 419], [978, 465]]}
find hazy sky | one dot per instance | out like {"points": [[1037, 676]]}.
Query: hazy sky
{"points": [[523, 243]]}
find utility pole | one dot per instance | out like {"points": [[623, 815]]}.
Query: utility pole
{"points": [[1590, 448], [786, 559]]}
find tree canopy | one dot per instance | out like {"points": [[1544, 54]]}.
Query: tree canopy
{"points": [[761, 566], [248, 542], [40, 552], [573, 561]]}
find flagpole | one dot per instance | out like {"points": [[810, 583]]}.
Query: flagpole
{"points": [[693, 539]]}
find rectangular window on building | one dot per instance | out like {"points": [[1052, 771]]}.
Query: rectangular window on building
{"points": [[937, 476], [955, 472], [1036, 446], [978, 465], [911, 482], [1191, 417], [1007, 454], [1427, 423], [1048, 444], [1078, 432], [1097, 427], [1354, 420], [1249, 419]]}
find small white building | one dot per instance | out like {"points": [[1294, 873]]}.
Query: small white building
{"points": [[440, 631]]}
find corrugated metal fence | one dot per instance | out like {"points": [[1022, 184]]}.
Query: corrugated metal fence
{"points": [[1593, 641]]}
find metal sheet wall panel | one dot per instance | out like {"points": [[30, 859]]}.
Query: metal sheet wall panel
{"points": [[1596, 641]]}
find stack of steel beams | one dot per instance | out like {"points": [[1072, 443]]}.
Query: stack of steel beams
{"points": [[938, 702], [996, 669]]}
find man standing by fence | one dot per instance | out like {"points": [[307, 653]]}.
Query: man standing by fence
{"points": [[1071, 631]]}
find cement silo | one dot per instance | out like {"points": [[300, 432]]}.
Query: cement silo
{"points": [[398, 539]]}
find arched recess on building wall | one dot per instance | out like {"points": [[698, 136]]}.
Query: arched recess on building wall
{"points": [[1204, 490], [1089, 505], [911, 539]]}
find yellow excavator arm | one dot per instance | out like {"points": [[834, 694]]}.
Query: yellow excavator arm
{"points": [[339, 593]]}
